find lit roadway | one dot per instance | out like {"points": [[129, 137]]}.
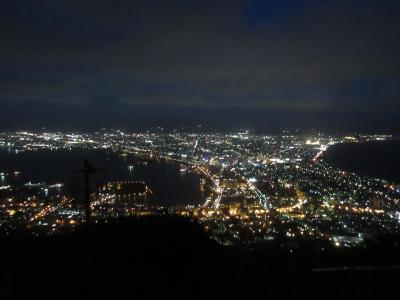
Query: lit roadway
{"points": [[218, 188], [263, 199]]}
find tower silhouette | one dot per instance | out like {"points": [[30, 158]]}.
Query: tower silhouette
{"points": [[87, 171]]}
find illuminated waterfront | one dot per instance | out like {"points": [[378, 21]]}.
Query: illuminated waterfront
{"points": [[243, 187]]}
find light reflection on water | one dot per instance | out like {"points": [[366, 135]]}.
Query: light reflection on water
{"points": [[169, 184]]}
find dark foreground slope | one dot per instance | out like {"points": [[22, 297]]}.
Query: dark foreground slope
{"points": [[167, 258]]}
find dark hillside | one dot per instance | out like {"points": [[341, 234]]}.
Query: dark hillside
{"points": [[167, 258]]}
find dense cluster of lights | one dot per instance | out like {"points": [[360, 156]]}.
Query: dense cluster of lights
{"points": [[273, 189]]}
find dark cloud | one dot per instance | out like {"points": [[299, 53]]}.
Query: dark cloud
{"points": [[305, 56]]}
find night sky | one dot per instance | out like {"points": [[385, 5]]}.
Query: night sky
{"points": [[325, 65]]}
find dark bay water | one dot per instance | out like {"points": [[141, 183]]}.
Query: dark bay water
{"points": [[375, 159], [170, 186]]}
